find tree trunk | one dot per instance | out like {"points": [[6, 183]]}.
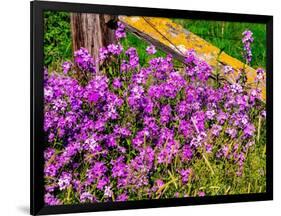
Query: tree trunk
{"points": [[92, 32]]}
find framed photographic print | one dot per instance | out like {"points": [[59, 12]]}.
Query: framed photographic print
{"points": [[140, 107]]}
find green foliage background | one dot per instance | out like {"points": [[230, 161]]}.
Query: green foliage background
{"points": [[57, 38]]}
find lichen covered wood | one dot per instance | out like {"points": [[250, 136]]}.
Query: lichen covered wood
{"points": [[175, 39]]}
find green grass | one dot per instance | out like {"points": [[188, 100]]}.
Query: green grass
{"points": [[133, 41]]}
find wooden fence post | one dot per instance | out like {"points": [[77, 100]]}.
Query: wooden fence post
{"points": [[91, 31]]}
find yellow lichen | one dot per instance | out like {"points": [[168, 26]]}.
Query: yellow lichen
{"points": [[179, 39]]}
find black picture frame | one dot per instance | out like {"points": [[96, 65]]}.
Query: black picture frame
{"points": [[36, 112]]}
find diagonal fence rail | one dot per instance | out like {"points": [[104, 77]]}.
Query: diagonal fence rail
{"points": [[174, 39]]}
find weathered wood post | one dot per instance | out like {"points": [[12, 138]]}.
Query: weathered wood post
{"points": [[91, 31]]}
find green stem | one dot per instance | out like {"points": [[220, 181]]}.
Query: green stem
{"points": [[208, 164]]}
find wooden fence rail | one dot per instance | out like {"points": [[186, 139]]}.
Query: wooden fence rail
{"points": [[175, 39]]}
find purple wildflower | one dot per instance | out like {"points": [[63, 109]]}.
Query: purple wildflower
{"points": [[64, 180], [232, 132], [84, 60], [133, 57], [260, 74], [115, 49], [66, 66], [228, 69], [103, 53], [122, 197], [151, 50], [86, 197], [187, 153], [165, 114], [247, 40], [117, 83], [249, 130], [120, 31], [108, 192], [216, 129], [185, 173], [201, 193], [51, 200]]}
